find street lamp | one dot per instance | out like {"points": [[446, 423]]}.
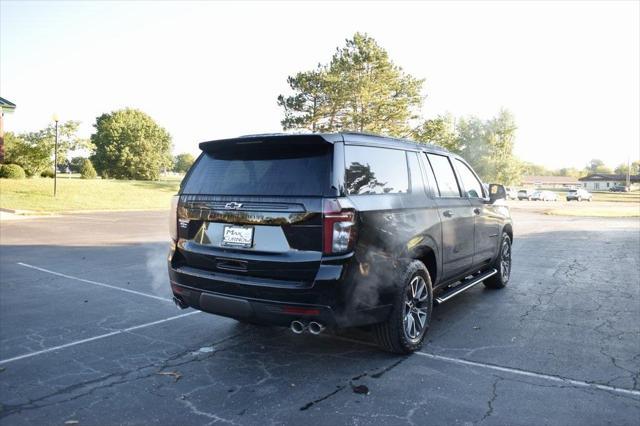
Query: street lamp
{"points": [[55, 157]]}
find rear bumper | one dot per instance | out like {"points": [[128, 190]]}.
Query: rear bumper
{"points": [[274, 302], [255, 310]]}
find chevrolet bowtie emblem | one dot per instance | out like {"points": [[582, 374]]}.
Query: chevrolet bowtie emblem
{"points": [[233, 206]]}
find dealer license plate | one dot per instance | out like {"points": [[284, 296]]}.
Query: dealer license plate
{"points": [[237, 236]]}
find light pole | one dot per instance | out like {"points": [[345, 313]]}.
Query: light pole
{"points": [[55, 158]]}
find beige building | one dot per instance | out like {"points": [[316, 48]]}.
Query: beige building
{"points": [[604, 181]]}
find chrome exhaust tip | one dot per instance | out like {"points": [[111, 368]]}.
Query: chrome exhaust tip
{"points": [[316, 328], [298, 327]]}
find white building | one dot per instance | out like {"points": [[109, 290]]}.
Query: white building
{"points": [[604, 181]]}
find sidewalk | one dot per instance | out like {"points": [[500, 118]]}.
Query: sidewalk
{"points": [[7, 216]]}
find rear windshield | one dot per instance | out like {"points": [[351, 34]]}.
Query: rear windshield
{"points": [[269, 168]]}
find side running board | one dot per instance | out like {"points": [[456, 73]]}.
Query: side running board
{"points": [[464, 286]]}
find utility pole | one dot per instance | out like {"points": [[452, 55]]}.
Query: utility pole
{"points": [[55, 158]]}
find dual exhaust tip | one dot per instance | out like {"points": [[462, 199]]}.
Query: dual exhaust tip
{"points": [[299, 327]]}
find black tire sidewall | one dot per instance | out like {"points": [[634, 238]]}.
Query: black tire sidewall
{"points": [[496, 280], [397, 315]]}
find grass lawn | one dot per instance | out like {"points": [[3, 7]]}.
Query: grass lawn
{"points": [[588, 211], [74, 194], [617, 197]]}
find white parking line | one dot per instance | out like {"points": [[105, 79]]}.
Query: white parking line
{"points": [[126, 290], [526, 373], [91, 339]]}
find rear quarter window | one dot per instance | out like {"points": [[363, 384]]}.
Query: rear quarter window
{"points": [[372, 170]]}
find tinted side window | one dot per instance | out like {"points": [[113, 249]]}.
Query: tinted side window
{"points": [[375, 170], [417, 183], [471, 184], [431, 179], [445, 176]]}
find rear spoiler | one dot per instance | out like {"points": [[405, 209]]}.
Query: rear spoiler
{"points": [[308, 138]]}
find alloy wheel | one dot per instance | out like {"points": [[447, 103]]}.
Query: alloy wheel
{"points": [[416, 308], [505, 260]]}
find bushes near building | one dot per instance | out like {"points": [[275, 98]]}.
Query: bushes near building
{"points": [[11, 171]]}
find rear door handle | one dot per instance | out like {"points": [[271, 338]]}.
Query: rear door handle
{"points": [[476, 210], [447, 213]]}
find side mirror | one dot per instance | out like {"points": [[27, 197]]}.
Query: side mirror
{"points": [[496, 192]]}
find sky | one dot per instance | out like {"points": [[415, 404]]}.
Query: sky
{"points": [[568, 71]]}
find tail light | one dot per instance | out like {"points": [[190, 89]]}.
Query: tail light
{"points": [[339, 231], [173, 218]]}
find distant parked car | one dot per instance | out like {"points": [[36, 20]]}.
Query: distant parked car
{"points": [[544, 196], [619, 188], [512, 193], [579, 195], [525, 194]]}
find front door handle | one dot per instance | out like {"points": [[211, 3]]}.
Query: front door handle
{"points": [[447, 213], [476, 210]]}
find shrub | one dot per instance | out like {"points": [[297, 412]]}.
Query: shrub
{"points": [[11, 171], [87, 171], [76, 164], [47, 174]]}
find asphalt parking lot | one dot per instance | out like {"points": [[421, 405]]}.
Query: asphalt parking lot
{"points": [[88, 335]]}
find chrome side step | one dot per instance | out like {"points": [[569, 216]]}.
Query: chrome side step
{"points": [[464, 286]]}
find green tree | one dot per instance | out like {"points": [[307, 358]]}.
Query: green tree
{"points": [[34, 150], [182, 162], [440, 131], [75, 164], [570, 171], [488, 147], [597, 166], [501, 140], [87, 171], [361, 89], [622, 169], [130, 145], [309, 107], [532, 169], [33, 158]]}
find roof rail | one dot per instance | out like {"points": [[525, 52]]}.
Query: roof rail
{"points": [[401, 140]]}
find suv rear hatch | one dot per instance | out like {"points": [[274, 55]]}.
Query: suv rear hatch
{"points": [[252, 207]]}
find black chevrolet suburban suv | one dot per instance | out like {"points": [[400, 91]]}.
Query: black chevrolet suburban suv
{"points": [[335, 230]]}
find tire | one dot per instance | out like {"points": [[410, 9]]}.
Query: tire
{"points": [[395, 335], [502, 264]]}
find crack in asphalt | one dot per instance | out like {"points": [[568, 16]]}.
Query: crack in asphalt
{"points": [[339, 388], [492, 400]]}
